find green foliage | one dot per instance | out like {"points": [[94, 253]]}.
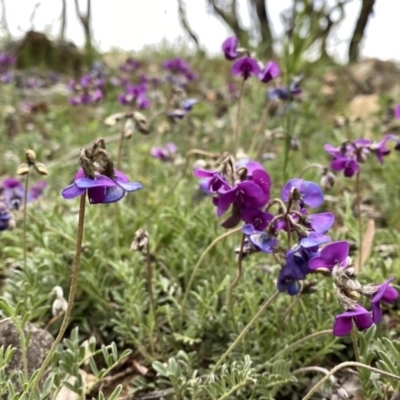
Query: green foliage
{"points": [[178, 351]]}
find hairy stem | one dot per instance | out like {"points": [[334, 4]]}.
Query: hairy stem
{"points": [[236, 132], [25, 205], [197, 266], [244, 331], [72, 291], [360, 232], [233, 390], [355, 343], [344, 365], [151, 293], [236, 281], [310, 166]]}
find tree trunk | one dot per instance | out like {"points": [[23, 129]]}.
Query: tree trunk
{"points": [[61, 36], [265, 48], [231, 20], [359, 30], [85, 21], [185, 24]]}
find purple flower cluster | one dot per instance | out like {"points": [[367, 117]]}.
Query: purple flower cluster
{"points": [[135, 95], [349, 155], [166, 153], [246, 66], [293, 218], [87, 90], [179, 72], [245, 189], [334, 257], [7, 62]]}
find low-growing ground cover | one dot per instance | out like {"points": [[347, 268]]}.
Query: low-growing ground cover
{"points": [[258, 252]]}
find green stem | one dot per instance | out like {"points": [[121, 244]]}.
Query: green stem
{"points": [[25, 217], [233, 390], [360, 232], [24, 346], [344, 365], [196, 267], [244, 331], [236, 281], [119, 156], [299, 342], [151, 293], [259, 131], [355, 343], [236, 132], [72, 291], [310, 166]]}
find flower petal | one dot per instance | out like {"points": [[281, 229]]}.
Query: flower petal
{"points": [[342, 325], [100, 181], [72, 191], [128, 186], [321, 222], [113, 194]]}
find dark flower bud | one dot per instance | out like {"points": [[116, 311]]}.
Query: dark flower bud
{"points": [[294, 143], [141, 240], [328, 179]]}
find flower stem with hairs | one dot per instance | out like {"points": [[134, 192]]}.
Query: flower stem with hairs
{"points": [[72, 291], [25, 206], [197, 266], [360, 228]]}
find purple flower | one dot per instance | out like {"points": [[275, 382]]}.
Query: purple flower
{"points": [[384, 294], [37, 189], [271, 71], [101, 188], [380, 149], [245, 67], [397, 111], [310, 193], [332, 254], [344, 322], [5, 217], [261, 240], [295, 269], [165, 153], [229, 47], [215, 181], [13, 192], [313, 240], [321, 222], [348, 166]]}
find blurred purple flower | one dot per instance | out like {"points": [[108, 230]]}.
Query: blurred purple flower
{"points": [[245, 67], [397, 111], [229, 47], [270, 72], [166, 153], [5, 217]]}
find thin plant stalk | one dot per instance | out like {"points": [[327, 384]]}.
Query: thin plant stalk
{"points": [[71, 297], [197, 266], [24, 245], [120, 143], [24, 347], [245, 330], [149, 270], [236, 131], [236, 281], [355, 343], [300, 342], [310, 166], [360, 229], [259, 129], [345, 365]]}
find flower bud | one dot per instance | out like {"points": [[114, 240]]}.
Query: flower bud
{"points": [[30, 157], [128, 128], [41, 168], [140, 122], [141, 240], [23, 169], [112, 119], [328, 179]]}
